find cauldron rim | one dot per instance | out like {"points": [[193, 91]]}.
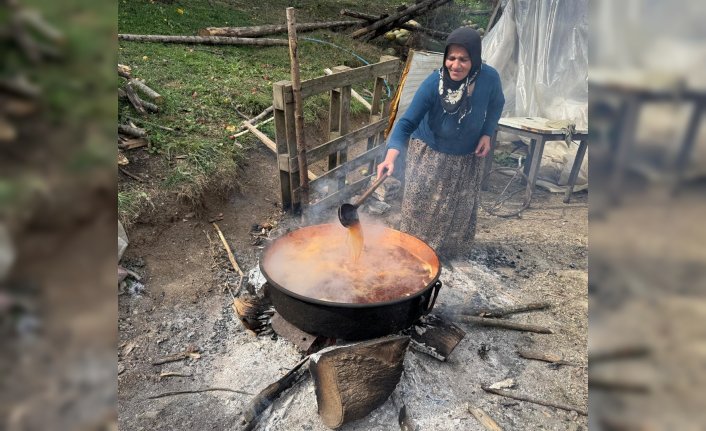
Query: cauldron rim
{"points": [[311, 300]]}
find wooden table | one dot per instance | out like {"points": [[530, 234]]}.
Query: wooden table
{"points": [[635, 88], [539, 133]]}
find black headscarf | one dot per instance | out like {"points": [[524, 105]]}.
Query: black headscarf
{"points": [[455, 94]]}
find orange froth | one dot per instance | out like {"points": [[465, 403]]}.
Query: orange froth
{"points": [[334, 266]]}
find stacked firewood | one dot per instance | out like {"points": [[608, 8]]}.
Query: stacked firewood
{"points": [[129, 135], [396, 20]]}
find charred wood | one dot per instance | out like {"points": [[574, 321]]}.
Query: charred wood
{"points": [[435, 337], [506, 324], [353, 380], [267, 396], [508, 394]]}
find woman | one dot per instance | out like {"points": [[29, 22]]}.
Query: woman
{"points": [[450, 121]]}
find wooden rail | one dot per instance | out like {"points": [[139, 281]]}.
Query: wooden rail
{"points": [[341, 138]]}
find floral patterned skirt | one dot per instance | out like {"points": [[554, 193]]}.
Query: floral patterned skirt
{"points": [[440, 201]]}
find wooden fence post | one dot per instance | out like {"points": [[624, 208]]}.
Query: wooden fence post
{"points": [[283, 103]]}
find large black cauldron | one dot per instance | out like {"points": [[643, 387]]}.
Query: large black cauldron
{"points": [[352, 321]]}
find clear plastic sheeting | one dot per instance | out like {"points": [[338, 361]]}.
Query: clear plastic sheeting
{"points": [[540, 50]]}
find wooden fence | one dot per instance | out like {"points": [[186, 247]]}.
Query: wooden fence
{"points": [[334, 181]]}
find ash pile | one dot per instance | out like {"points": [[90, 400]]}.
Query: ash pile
{"points": [[475, 362]]}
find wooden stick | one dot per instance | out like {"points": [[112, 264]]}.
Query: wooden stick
{"points": [[145, 89], [298, 111], [502, 312], [133, 98], [230, 253], [128, 90], [140, 120], [204, 40], [485, 420], [171, 358], [262, 30], [196, 391], [135, 132], [124, 71], [269, 143], [541, 356], [496, 9], [247, 130], [354, 93], [441, 35], [392, 18], [129, 174], [173, 374], [266, 397], [260, 116], [497, 323], [508, 394]]}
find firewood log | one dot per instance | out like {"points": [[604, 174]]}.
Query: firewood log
{"points": [[205, 40], [262, 30], [354, 380]]}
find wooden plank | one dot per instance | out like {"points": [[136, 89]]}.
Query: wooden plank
{"points": [[377, 96], [344, 169], [323, 84], [281, 142], [534, 124], [482, 417], [340, 196], [354, 93], [278, 94], [269, 143], [323, 150], [345, 121], [334, 122]]}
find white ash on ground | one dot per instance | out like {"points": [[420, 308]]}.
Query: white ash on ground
{"points": [[436, 393]]}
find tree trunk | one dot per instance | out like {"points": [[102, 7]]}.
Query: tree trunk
{"points": [[204, 40], [354, 380], [262, 30]]}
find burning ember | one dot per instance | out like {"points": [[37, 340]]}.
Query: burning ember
{"points": [[336, 265]]}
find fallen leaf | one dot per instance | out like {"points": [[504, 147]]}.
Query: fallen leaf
{"points": [[180, 11], [231, 128]]}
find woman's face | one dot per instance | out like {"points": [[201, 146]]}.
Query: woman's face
{"points": [[458, 62]]}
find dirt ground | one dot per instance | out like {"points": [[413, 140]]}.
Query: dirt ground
{"points": [[181, 301]]}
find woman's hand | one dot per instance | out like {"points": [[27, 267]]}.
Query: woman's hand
{"points": [[483, 146], [387, 166]]}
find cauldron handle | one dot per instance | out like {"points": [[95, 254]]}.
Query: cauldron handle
{"points": [[437, 287]]}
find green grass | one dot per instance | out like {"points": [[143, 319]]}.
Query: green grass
{"points": [[130, 204], [203, 85]]}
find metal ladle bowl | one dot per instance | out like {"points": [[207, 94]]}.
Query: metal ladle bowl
{"points": [[348, 213]]}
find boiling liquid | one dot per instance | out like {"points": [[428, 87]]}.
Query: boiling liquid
{"points": [[321, 267], [355, 236]]}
